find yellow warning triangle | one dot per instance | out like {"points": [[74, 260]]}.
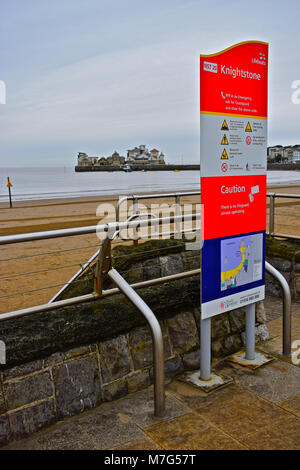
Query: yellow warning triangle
{"points": [[224, 140], [224, 155], [248, 127], [224, 126], [9, 185]]}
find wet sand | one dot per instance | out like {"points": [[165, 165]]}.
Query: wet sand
{"points": [[69, 254]]}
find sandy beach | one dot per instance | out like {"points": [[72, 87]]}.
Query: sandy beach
{"points": [[64, 256]]}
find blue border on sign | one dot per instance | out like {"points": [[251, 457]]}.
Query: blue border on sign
{"points": [[211, 269]]}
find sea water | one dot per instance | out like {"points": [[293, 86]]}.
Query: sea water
{"points": [[64, 182]]}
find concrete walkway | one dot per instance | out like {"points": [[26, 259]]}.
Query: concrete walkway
{"points": [[260, 410]]}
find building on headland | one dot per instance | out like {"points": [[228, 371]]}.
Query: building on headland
{"points": [[142, 156], [115, 159], [296, 156], [281, 154], [137, 156], [84, 160]]}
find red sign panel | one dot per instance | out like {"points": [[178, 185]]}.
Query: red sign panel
{"points": [[233, 205], [236, 80]]}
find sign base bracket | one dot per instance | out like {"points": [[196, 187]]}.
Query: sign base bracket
{"points": [[259, 360], [215, 381]]}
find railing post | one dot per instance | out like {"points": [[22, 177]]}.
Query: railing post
{"points": [[177, 234], [135, 210], [287, 309], [272, 214], [157, 338]]}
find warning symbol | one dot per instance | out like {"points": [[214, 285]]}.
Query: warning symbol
{"points": [[224, 155], [225, 140], [224, 126], [224, 167], [248, 127]]}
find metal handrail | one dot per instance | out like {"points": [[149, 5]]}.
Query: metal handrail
{"points": [[157, 337], [110, 228], [286, 316], [121, 225], [92, 258], [4, 240], [135, 198], [157, 340], [137, 301], [93, 296], [287, 309]]}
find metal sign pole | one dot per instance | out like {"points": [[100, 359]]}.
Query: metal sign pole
{"points": [[205, 348], [250, 332]]}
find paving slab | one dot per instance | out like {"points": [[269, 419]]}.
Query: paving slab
{"points": [[139, 444], [191, 431], [284, 435], [109, 429], [276, 381], [239, 412], [140, 407], [65, 436], [292, 404]]}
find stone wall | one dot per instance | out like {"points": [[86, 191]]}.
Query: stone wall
{"points": [[284, 255], [63, 362]]}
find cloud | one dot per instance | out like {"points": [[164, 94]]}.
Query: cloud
{"points": [[152, 89], [143, 86]]}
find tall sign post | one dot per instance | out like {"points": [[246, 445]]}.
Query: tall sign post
{"points": [[233, 121]]}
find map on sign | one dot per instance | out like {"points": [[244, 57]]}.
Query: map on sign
{"points": [[241, 260]]}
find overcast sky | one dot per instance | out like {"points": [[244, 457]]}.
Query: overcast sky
{"points": [[100, 75]]}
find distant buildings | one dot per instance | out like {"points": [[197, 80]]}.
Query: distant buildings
{"points": [[114, 159], [141, 155], [137, 156], [280, 154]]}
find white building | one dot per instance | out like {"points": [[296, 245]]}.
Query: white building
{"points": [[280, 154], [296, 156], [141, 155]]}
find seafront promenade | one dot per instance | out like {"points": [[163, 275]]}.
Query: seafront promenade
{"points": [[248, 413], [260, 410]]}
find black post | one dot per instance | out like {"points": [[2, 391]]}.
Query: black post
{"points": [[9, 185]]}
